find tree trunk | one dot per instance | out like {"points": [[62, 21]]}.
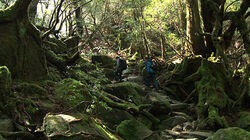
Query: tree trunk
{"points": [[32, 10], [194, 28], [163, 46], [20, 43], [78, 16]]}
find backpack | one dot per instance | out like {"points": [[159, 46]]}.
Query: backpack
{"points": [[123, 64]]}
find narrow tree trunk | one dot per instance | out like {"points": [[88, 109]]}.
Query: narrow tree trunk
{"points": [[163, 55], [78, 16]]}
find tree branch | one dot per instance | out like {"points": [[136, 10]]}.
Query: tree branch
{"points": [[55, 22]]}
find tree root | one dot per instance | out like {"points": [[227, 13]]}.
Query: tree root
{"points": [[130, 107], [23, 134]]}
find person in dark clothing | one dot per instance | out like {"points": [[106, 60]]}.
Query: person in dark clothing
{"points": [[151, 75], [120, 65]]}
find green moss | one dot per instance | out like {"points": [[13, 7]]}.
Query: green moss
{"points": [[5, 80], [31, 89], [109, 73], [231, 133], [127, 91], [66, 127], [244, 120], [54, 74], [72, 91], [212, 96], [103, 60], [133, 130], [84, 65]]}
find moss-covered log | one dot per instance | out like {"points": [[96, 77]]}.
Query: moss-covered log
{"points": [[20, 43]]}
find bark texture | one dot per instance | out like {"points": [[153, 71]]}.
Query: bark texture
{"points": [[20, 43], [194, 28]]}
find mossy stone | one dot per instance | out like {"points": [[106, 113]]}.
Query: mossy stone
{"points": [[31, 89], [231, 133], [68, 127], [127, 91], [72, 91], [103, 60], [133, 130], [116, 119]]}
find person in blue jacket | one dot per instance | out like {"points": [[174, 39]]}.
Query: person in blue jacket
{"points": [[151, 75]]}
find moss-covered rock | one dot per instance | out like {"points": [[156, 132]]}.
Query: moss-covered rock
{"points": [[72, 91], [103, 60], [67, 127], [244, 120], [133, 130], [109, 73], [82, 76], [5, 83], [127, 91], [117, 117], [84, 65], [231, 133], [31, 89], [172, 122], [160, 105]]}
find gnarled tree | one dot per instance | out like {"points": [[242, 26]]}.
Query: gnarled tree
{"points": [[20, 43]]}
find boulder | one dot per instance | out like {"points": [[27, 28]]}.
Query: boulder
{"points": [[133, 130], [68, 127], [84, 65], [127, 91], [160, 104], [231, 133], [117, 117], [172, 122], [72, 91], [103, 61], [30, 89]]}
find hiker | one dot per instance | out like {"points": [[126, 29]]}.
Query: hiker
{"points": [[151, 75], [120, 65]]}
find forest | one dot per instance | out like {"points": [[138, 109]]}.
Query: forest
{"points": [[185, 76]]}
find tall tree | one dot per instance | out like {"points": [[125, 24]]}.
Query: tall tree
{"points": [[20, 43], [194, 28]]}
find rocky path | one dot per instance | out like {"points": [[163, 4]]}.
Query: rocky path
{"points": [[177, 124]]}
